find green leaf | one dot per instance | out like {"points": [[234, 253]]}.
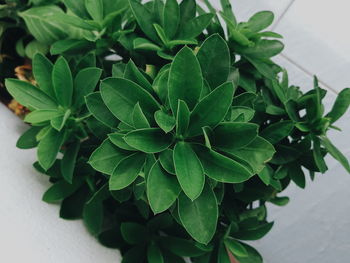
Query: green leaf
{"points": [[335, 152], [42, 25], [144, 19], [93, 211], [318, 156], [223, 256], [277, 131], [199, 217], [74, 21], [235, 247], [84, 83], [221, 168], [118, 139], [185, 79], [195, 26], [133, 73], [162, 189], [126, 171], [133, 233], [166, 160], [69, 161], [182, 118], [297, 175], [253, 256], [181, 247], [28, 138], [253, 233], [187, 11], [29, 95], [138, 118], [263, 49], [59, 121], [145, 44], [149, 140], [39, 116], [154, 254], [106, 157], [62, 82], [211, 110], [100, 111], [260, 21], [49, 147], [42, 71], [95, 9], [171, 18], [189, 170], [77, 7], [121, 95], [233, 135], [241, 114], [214, 58], [71, 46], [234, 34], [62, 189], [340, 106], [257, 153], [165, 121]]}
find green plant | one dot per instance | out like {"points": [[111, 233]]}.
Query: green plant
{"points": [[177, 151]]}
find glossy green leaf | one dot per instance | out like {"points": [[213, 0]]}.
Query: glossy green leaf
{"points": [[167, 161], [233, 135], [162, 189], [253, 233], [59, 122], [145, 44], [77, 7], [171, 18], [212, 109], [335, 152], [181, 247], [149, 140], [318, 156], [253, 256], [118, 139], [221, 168], [144, 19], [126, 171], [195, 26], [260, 21], [28, 138], [182, 118], [95, 9], [199, 217], [42, 25], [189, 170], [154, 254], [62, 82], [42, 71], [165, 121], [38, 116], [61, 190], [133, 73], [69, 161], [187, 11], [29, 95], [93, 211], [138, 118], [49, 147], [100, 111], [340, 106], [257, 153], [133, 233], [185, 79], [214, 58], [277, 131], [84, 83], [235, 247], [264, 49], [106, 157], [121, 95]]}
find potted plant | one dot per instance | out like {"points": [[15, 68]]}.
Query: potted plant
{"points": [[172, 151]]}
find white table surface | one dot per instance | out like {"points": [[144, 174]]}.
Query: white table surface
{"points": [[313, 227]]}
